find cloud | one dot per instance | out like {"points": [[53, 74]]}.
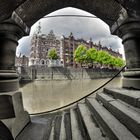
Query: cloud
{"points": [[24, 46], [82, 27]]}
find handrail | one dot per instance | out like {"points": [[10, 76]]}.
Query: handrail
{"points": [[59, 108]]}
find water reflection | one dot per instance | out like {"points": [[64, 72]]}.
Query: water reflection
{"points": [[40, 96]]}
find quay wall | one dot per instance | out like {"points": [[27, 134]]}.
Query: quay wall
{"points": [[59, 73]]}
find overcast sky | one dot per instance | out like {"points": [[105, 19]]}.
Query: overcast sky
{"points": [[81, 27]]}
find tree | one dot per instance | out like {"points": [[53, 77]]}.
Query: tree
{"points": [[119, 62], [52, 54], [103, 57], [91, 56], [80, 54]]}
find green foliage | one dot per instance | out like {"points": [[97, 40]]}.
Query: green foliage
{"points": [[91, 55], [80, 54], [103, 57], [84, 55], [119, 62], [52, 54]]}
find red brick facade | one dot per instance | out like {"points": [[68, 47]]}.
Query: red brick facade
{"points": [[65, 46]]}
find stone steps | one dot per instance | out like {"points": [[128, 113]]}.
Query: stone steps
{"points": [[93, 131], [102, 117], [113, 128], [131, 97], [124, 114], [67, 121], [55, 131], [51, 137], [76, 133], [63, 135]]}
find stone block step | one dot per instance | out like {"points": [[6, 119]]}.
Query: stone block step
{"points": [[130, 106], [51, 137], [38, 129], [67, 122], [62, 135], [55, 131], [131, 97], [113, 128], [76, 133], [93, 131], [123, 113], [6, 107]]}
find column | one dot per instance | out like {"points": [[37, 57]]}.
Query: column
{"points": [[12, 113], [8, 44], [128, 28]]}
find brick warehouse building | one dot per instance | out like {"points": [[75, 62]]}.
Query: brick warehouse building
{"points": [[40, 45], [65, 47], [21, 60]]}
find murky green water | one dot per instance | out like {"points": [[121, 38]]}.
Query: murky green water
{"points": [[40, 96]]}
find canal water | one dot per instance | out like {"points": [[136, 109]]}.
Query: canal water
{"points": [[40, 96]]}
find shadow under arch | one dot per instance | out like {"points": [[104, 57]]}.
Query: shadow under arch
{"points": [[108, 11]]}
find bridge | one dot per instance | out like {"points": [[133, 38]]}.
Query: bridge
{"points": [[123, 18]]}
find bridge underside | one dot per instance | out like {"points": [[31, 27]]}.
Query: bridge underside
{"points": [[31, 11], [16, 18]]}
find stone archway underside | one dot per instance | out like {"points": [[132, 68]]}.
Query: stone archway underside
{"points": [[14, 25], [31, 11]]}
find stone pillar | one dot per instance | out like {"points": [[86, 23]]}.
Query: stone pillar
{"points": [[128, 28], [12, 113], [8, 44]]}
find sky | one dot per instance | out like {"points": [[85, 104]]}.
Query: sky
{"points": [[81, 27]]}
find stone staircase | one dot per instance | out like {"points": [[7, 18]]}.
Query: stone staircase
{"points": [[113, 114]]}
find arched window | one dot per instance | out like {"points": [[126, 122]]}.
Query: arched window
{"points": [[43, 62]]}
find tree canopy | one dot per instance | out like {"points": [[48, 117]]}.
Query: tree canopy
{"points": [[80, 54], [91, 55], [52, 54], [84, 55]]}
